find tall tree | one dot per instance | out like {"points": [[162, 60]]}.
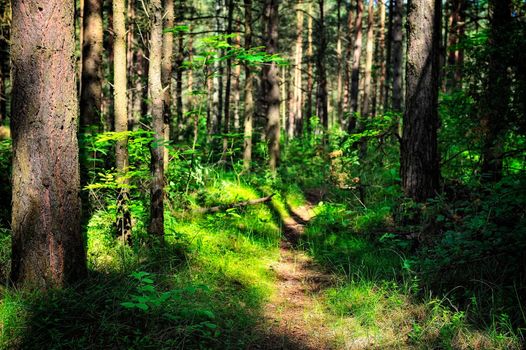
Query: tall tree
{"points": [[48, 249], [249, 91], [271, 73], [496, 101], [355, 71], [397, 54], [369, 52], [155, 90], [296, 105], [166, 72], [457, 25], [5, 28], [228, 77], [310, 78], [381, 55], [419, 166], [121, 115], [339, 64], [321, 76]]}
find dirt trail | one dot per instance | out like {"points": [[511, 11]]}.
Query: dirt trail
{"points": [[290, 318]]}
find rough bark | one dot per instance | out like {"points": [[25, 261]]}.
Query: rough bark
{"points": [[348, 62], [308, 112], [496, 101], [381, 56], [369, 51], [397, 55], [166, 74], [249, 91], [120, 105], [419, 167], [228, 83], [355, 70], [297, 101], [339, 65], [48, 248], [457, 25], [271, 73], [155, 89]]}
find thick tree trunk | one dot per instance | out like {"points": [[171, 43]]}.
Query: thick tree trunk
{"points": [[271, 79], [121, 115], [47, 243], [419, 167], [249, 91], [496, 104], [166, 74], [355, 71], [155, 90], [397, 55]]}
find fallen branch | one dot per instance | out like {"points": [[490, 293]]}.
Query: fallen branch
{"points": [[224, 207]]}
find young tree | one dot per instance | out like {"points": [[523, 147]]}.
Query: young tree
{"points": [[419, 166], [47, 246], [155, 90], [270, 73], [249, 91]]}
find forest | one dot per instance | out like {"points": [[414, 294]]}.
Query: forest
{"points": [[263, 174]]}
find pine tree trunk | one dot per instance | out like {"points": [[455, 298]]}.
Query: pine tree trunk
{"points": [[296, 102], [48, 249], [249, 91], [228, 84], [381, 56], [397, 55], [369, 52], [155, 89], [339, 66], [121, 116], [166, 74], [271, 73], [308, 112], [348, 62], [321, 95], [355, 71], [419, 165]]}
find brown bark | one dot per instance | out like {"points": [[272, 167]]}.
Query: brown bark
{"points": [[339, 66], [308, 113], [242, 204], [91, 93], [369, 51], [457, 24], [228, 84], [348, 62], [296, 101], [496, 101], [321, 94], [249, 91], [47, 246], [271, 79], [121, 115], [419, 165], [166, 74], [179, 69], [155, 90], [381, 56], [355, 71], [397, 55], [236, 95]]}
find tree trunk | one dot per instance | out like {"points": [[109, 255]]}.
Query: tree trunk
{"points": [[369, 52], [348, 62], [457, 25], [249, 91], [48, 249], [296, 102], [496, 104], [155, 89], [166, 74], [308, 113], [419, 167], [398, 53], [321, 95], [121, 116], [381, 56], [271, 73], [236, 95], [228, 84], [339, 65], [355, 71]]}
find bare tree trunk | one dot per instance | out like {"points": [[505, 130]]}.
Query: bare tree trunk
{"points": [[355, 72], [321, 95], [249, 91], [339, 68], [48, 249], [369, 52], [271, 74], [228, 84], [308, 113], [496, 101], [381, 56], [348, 62], [166, 74], [388, 58], [121, 116], [236, 75], [457, 25], [419, 166], [298, 62], [397, 55], [155, 89], [217, 98]]}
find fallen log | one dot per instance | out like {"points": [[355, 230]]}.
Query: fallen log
{"points": [[224, 207]]}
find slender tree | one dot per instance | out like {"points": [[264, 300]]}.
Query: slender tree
{"points": [[419, 166], [48, 249], [155, 90], [397, 55], [166, 73], [355, 71], [381, 55], [339, 64], [369, 52], [249, 91], [296, 105], [121, 116], [271, 73], [321, 76], [310, 78]]}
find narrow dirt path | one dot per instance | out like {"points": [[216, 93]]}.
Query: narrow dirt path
{"points": [[291, 320]]}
